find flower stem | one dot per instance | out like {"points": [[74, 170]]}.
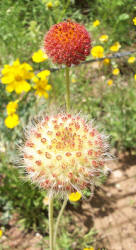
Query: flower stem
{"points": [[51, 222], [58, 219], [67, 90]]}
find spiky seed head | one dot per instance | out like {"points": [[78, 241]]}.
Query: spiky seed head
{"points": [[64, 153]]}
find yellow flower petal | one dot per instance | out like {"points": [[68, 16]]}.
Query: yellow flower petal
{"points": [[7, 79], [12, 107], [75, 196], [48, 87], [43, 74], [9, 88]]}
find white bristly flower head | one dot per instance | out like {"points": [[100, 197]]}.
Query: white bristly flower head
{"points": [[64, 153]]}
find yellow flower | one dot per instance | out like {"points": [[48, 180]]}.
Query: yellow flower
{"points": [[1, 233], [12, 107], [43, 74], [135, 76], [49, 5], [15, 76], [73, 80], [12, 121], [131, 59], [41, 84], [110, 82], [75, 196], [106, 61], [96, 23], [134, 20], [97, 52], [116, 71], [90, 248], [103, 38], [115, 47], [39, 56]]}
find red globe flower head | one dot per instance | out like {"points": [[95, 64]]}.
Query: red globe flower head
{"points": [[67, 43]]}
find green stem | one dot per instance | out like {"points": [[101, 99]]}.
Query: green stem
{"points": [[67, 90], [58, 220], [51, 222]]}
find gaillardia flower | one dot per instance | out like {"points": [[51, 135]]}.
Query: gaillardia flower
{"points": [[67, 43], [64, 153]]}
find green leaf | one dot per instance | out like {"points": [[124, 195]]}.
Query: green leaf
{"points": [[123, 17]]}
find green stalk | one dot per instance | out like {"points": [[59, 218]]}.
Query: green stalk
{"points": [[58, 220], [67, 90], [51, 222]]}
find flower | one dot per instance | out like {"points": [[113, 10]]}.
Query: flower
{"points": [[90, 248], [110, 82], [15, 76], [135, 76], [134, 20], [96, 23], [106, 61], [97, 52], [115, 47], [73, 80], [67, 43], [12, 107], [131, 59], [1, 233], [64, 153], [41, 83], [116, 71], [12, 121], [74, 196], [39, 56], [46, 201], [49, 5], [103, 38]]}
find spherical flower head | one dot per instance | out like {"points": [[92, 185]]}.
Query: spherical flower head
{"points": [[67, 43], [63, 153]]}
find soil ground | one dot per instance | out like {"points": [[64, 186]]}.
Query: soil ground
{"points": [[112, 212]]}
